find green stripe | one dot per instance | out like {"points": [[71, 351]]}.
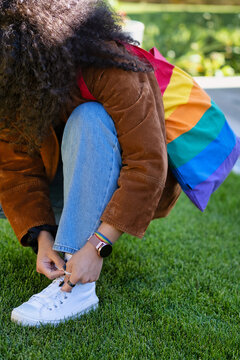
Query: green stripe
{"points": [[188, 145]]}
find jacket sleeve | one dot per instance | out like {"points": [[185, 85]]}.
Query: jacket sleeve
{"points": [[24, 188], [134, 102]]}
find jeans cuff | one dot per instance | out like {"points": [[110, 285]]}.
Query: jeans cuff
{"points": [[67, 249]]}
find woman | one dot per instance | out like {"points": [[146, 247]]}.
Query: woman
{"points": [[115, 167]]}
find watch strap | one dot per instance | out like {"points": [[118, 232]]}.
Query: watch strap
{"points": [[98, 244], [95, 241]]}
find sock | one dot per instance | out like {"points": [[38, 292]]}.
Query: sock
{"points": [[67, 256]]}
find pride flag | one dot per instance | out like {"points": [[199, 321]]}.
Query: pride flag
{"points": [[202, 148]]}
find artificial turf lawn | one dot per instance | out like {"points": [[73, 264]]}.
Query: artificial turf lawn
{"points": [[172, 295]]}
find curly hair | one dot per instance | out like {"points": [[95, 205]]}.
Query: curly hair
{"points": [[44, 44]]}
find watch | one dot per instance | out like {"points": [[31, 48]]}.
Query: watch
{"points": [[103, 249]]}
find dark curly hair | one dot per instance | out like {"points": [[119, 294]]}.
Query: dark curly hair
{"points": [[43, 46]]}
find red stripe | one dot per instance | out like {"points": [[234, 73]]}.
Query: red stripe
{"points": [[84, 89], [162, 68]]}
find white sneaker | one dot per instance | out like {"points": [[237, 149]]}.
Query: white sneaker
{"points": [[52, 306]]}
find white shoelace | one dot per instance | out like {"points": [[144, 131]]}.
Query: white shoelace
{"points": [[57, 300], [53, 300]]}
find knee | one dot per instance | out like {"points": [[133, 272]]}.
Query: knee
{"points": [[87, 120], [90, 116], [87, 115]]}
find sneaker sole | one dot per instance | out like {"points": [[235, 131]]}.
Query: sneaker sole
{"points": [[17, 318]]}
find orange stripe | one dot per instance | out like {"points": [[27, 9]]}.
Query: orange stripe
{"points": [[186, 116], [177, 92]]}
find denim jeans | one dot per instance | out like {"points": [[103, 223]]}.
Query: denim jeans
{"points": [[91, 157]]}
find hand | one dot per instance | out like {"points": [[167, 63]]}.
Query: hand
{"points": [[48, 260], [85, 266]]}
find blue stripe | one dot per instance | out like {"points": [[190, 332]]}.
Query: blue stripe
{"points": [[205, 163], [189, 144]]}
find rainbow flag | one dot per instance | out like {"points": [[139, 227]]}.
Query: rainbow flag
{"points": [[202, 148]]}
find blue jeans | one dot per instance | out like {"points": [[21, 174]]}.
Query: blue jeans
{"points": [[91, 157]]}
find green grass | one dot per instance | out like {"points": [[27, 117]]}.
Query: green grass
{"points": [[172, 295], [204, 40]]}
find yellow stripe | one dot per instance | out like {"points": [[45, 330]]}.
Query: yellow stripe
{"points": [[177, 92], [186, 116]]}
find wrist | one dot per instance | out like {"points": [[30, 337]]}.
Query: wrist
{"points": [[101, 248], [110, 232], [91, 248], [45, 236]]}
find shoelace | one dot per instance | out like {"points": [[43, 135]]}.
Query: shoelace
{"points": [[54, 300], [57, 300]]}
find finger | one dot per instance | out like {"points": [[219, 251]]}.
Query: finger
{"points": [[65, 287], [69, 283], [66, 278], [50, 274], [49, 269], [58, 261], [68, 274], [53, 274]]}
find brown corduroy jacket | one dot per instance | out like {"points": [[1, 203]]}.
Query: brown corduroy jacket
{"points": [[146, 188]]}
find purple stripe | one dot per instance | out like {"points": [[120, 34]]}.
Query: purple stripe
{"points": [[201, 193]]}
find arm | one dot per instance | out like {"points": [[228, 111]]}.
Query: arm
{"points": [[110, 232], [24, 188], [24, 195]]}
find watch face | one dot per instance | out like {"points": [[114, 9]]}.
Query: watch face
{"points": [[106, 250]]}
